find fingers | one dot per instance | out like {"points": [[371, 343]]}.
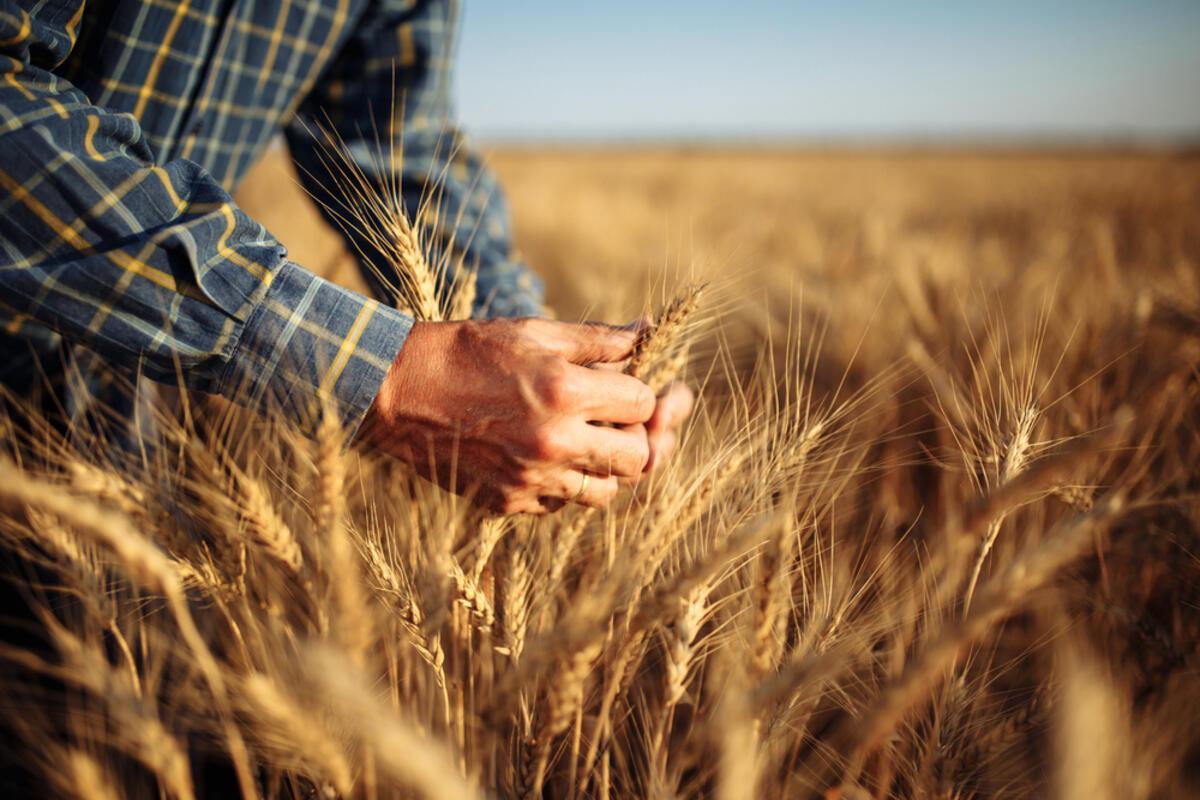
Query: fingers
{"points": [[632, 449], [588, 342], [674, 406], [550, 491], [598, 490], [661, 445], [613, 397], [613, 451]]}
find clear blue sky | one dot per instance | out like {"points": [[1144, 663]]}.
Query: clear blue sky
{"points": [[763, 68]]}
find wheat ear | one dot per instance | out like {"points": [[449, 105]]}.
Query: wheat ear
{"points": [[265, 527], [470, 596], [656, 341], [770, 600], [1013, 461], [331, 473], [564, 701], [517, 586]]}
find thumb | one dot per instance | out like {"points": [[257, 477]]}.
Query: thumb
{"points": [[596, 342]]}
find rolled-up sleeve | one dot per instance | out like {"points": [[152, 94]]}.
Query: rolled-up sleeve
{"points": [[154, 267], [309, 338]]}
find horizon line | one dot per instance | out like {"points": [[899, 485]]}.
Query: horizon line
{"points": [[1055, 140]]}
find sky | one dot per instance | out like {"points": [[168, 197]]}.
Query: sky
{"points": [[769, 69]]}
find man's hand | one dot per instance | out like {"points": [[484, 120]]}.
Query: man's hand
{"points": [[506, 410], [674, 406]]}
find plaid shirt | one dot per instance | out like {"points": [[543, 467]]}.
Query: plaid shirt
{"points": [[125, 124]]}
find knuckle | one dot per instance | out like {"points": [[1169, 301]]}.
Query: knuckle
{"points": [[554, 385], [644, 402]]}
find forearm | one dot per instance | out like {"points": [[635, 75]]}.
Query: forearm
{"points": [[153, 266]]}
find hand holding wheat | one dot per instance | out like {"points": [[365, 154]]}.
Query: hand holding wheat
{"points": [[507, 411]]}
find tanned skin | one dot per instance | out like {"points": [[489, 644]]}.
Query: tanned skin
{"points": [[513, 412]]}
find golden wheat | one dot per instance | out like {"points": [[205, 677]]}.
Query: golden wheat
{"points": [[928, 532]]}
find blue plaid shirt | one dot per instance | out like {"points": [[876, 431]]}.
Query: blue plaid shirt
{"points": [[125, 125]]}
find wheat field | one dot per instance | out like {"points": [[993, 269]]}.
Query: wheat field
{"points": [[931, 532]]}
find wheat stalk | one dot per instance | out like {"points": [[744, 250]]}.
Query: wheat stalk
{"points": [[265, 527], [999, 599]]}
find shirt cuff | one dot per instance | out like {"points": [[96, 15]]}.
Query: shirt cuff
{"points": [[310, 342]]}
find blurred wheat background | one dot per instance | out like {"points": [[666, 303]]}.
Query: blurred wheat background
{"points": [[932, 530]]}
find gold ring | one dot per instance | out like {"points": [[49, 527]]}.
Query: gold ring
{"points": [[582, 487]]}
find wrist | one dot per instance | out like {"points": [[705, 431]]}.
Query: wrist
{"points": [[409, 393]]}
